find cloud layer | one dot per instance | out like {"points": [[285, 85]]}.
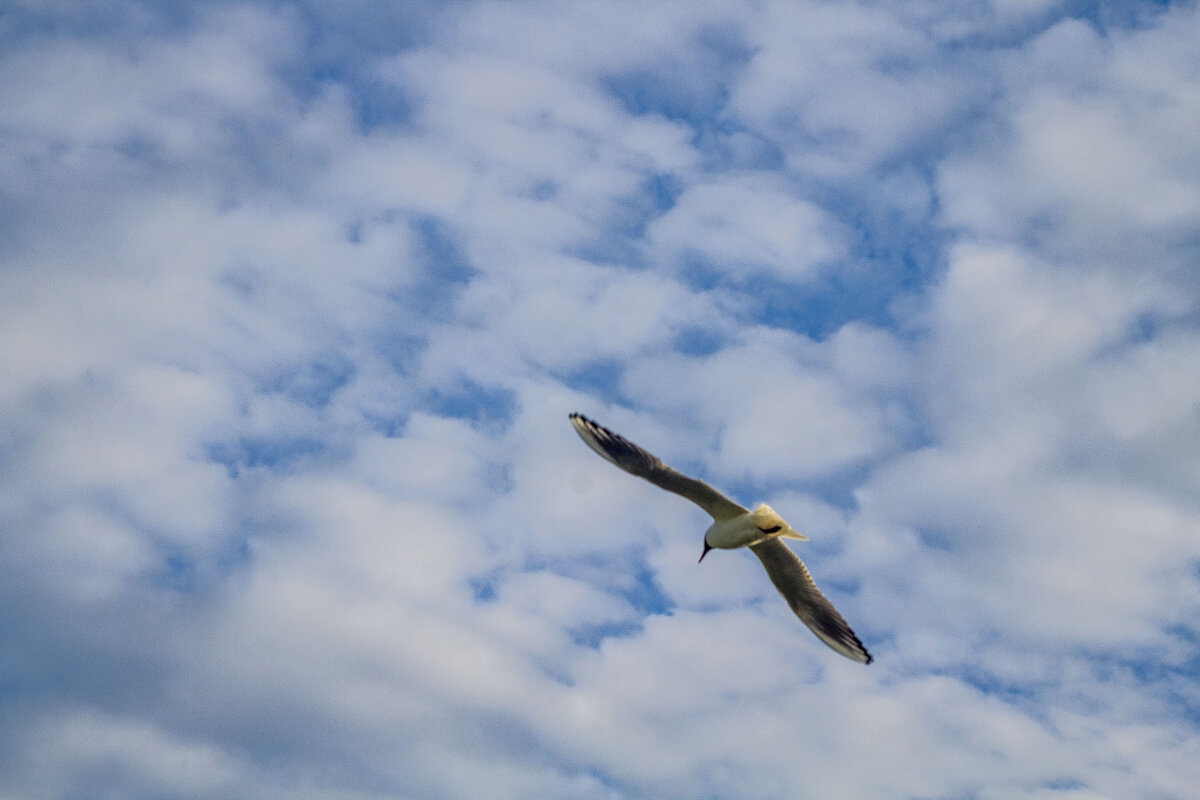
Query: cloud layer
{"points": [[294, 302]]}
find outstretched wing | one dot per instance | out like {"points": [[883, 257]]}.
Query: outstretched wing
{"points": [[794, 582], [636, 461]]}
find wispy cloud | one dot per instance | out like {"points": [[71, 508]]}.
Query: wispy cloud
{"points": [[294, 302]]}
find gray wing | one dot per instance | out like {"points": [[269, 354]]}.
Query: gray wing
{"points": [[636, 461], [794, 582]]}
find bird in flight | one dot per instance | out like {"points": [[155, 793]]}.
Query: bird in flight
{"points": [[762, 530]]}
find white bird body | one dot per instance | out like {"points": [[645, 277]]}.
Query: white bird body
{"points": [[735, 526], [749, 528]]}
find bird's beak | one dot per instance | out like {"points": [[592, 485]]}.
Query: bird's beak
{"points": [[707, 547]]}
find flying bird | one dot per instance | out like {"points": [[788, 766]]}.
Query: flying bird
{"points": [[762, 530]]}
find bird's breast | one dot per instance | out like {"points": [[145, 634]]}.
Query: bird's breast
{"points": [[730, 533]]}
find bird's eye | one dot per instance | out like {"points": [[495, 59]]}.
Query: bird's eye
{"points": [[775, 529]]}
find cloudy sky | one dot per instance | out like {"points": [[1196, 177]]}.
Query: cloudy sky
{"points": [[295, 299]]}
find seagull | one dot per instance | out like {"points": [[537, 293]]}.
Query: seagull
{"points": [[762, 530]]}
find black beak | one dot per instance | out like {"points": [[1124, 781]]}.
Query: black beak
{"points": [[707, 547]]}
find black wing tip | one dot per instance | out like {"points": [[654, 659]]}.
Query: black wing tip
{"points": [[848, 643], [849, 639], [577, 419], [613, 446], [596, 429], [590, 425], [598, 437], [580, 421]]}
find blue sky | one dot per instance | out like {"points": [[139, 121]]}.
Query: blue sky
{"points": [[295, 301]]}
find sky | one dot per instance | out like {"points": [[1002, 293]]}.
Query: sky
{"points": [[296, 297]]}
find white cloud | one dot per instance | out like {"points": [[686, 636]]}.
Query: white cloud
{"points": [[1094, 154], [841, 90], [773, 401], [66, 96], [740, 226], [87, 752], [293, 306]]}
